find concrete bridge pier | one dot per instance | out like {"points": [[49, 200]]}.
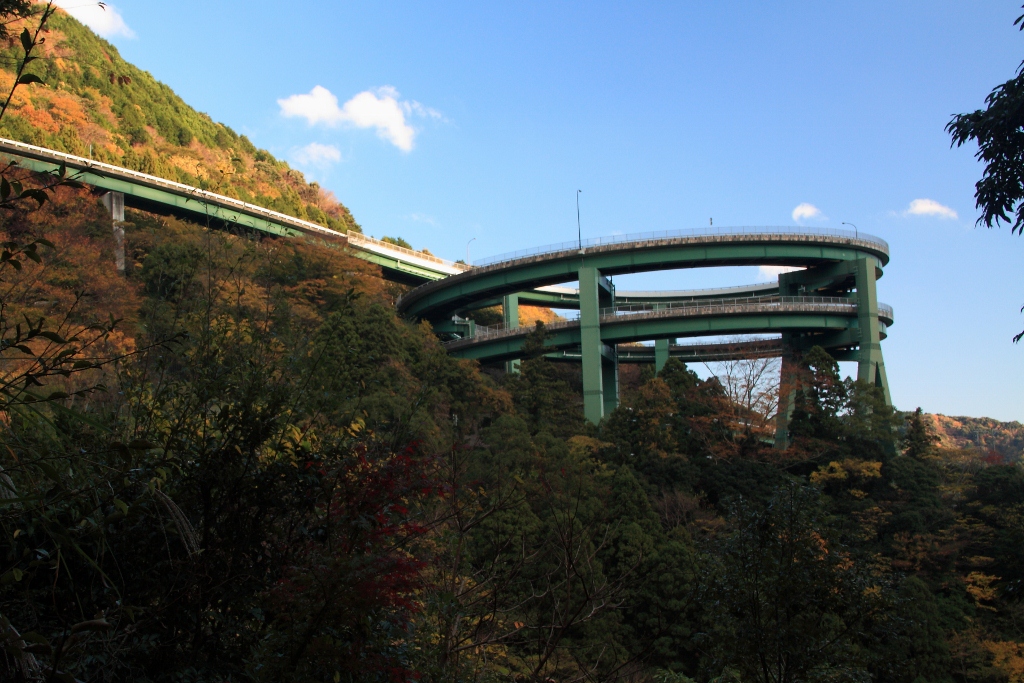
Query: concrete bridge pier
{"points": [[660, 354], [870, 365], [787, 392], [510, 312], [114, 201], [600, 362]]}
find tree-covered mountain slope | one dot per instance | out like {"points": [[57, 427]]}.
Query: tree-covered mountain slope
{"points": [[95, 104], [1002, 439]]}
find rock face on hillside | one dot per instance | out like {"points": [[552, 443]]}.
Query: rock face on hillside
{"points": [[998, 439], [97, 105]]}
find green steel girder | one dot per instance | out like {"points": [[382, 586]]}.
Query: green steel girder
{"points": [[535, 297], [435, 300], [823, 277], [567, 301], [871, 367], [542, 299], [634, 354], [590, 341], [627, 298], [399, 266], [145, 197], [662, 352], [669, 328], [160, 196], [510, 313], [828, 340], [507, 348]]}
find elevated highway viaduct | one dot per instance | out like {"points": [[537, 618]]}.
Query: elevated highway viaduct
{"points": [[831, 301]]}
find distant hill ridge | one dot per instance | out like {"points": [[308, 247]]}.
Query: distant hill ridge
{"points": [[1005, 439], [97, 105]]}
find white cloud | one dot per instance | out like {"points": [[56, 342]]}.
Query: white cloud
{"points": [[422, 218], [413, 107], [101, 17], [318, 106], [929, 207], [380, 109], [806, 211], [315, 154], [773, 272]]}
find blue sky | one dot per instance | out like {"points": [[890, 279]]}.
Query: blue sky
{"points": [[444, 123]]}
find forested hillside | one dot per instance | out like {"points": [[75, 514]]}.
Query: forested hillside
{"points": [[994, 438], [236, 463], [280, 480], [95, 104]]}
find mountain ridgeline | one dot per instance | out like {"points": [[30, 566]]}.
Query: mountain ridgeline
{"points": [[95, 104]]}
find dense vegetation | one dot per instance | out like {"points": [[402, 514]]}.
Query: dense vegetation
{"points": [[282, 481], [97, 105], [235, 463], [997, 131], [1000, 440]]}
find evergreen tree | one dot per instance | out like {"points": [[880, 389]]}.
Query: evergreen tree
{"points": [[918, 440], [541, 395]]}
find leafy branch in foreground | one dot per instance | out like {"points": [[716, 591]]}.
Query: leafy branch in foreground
{"points": [[999, 132], [30, 40]]}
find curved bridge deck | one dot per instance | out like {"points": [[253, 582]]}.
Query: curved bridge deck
{"points": [[837, 265], [830, 301], [436, 300], [621, 325], [160, 195]]}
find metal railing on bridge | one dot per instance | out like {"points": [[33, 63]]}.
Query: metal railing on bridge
{"points": [[783, 232], [83, 164], [754, 304], [356, 239], [763, 303]]}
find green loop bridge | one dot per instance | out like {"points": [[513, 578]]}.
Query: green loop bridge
{"points": [[829, 299]]}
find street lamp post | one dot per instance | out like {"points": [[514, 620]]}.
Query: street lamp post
{"points": [[467, 249], [579, 230], [856, 232]]}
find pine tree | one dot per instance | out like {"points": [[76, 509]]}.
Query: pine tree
{"points": [[918, 440]]}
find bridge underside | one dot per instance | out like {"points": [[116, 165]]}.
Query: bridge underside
{"points": [[838, 283], [836, 266]]}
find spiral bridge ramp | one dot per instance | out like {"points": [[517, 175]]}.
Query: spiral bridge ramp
{"points": [[830, 301]]}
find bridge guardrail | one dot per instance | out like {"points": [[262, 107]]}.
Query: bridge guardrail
{"points": [[358, 239], [15, 148], [766, 304], [633, 309], [787, 232]]}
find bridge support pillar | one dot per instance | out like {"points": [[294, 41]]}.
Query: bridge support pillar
{"points": [[788, 379], [870, 366], [114, 201], [660, 354], [600, 367], [510, 311], [610, 378]]}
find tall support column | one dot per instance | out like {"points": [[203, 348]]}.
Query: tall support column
{"points": [[610, 379], [787, 393], [591, 344], [510, 311], [609, 354], [660, 354], [114, 201], [870, 366]]}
